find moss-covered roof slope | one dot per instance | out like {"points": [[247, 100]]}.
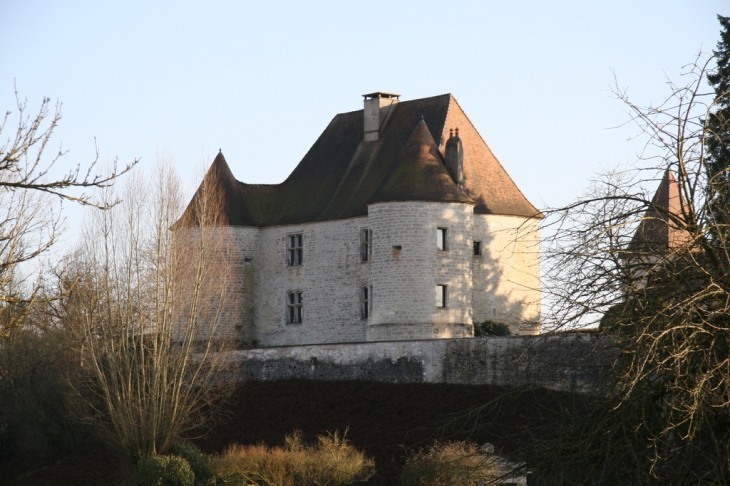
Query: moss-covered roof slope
{"points": [[341, 174]]}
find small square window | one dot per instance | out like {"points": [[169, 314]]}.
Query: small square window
{"points": [[294, 250], [477, 248], [365, 245], [365, 301], [294, 301], [441, 243], [441, 295]]}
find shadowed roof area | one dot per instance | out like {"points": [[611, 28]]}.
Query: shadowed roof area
{"points": [[420, 174], [341, 173], [661, 226]]}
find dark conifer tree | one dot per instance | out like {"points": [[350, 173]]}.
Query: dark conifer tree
{"points": [[717, 141]]}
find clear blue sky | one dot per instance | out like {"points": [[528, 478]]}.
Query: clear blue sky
{"points": [[261, 80]]}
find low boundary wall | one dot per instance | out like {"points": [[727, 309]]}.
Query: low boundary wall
{"points": [[563, 362]]}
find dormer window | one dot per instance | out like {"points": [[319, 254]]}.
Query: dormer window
{"points": [[294, 250], [441, 243]]}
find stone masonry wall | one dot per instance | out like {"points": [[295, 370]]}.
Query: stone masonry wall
{"points": [[568, 362], [247, 278], [215, 280], [330, 279], [404, 280], [507, 274]]}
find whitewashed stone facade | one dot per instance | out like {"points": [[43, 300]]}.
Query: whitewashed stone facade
{"points": [[506, 276], [330, 279]]}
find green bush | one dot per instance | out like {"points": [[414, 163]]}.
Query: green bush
{"points": [[199, 462], [164, 471], [449, 464], [491, 328], [333, 461]]}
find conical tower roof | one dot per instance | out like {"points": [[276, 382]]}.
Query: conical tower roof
{"points": [[420, 173], [663, 225], [216, 199]]}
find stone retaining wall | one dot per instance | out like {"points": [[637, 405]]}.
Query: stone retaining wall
{"points": [[565, 362]]}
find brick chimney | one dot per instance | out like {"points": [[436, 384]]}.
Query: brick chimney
{"points": [[378, 107]]}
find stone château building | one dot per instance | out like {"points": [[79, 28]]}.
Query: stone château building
{"points": [[398, 224]]}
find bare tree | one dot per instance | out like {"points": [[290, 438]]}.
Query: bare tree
{"points": [[30, 222], [148, 351], [653, 268]]}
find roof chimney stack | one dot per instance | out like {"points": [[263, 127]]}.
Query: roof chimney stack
{"points": [[455, 157], [378, 107]]}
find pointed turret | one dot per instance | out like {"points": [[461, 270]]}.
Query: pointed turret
{"points": [[213, 202], [420, 173], [663, 225]]}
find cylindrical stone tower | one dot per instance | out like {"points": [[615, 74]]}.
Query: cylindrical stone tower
{"points": [[421, 270]]}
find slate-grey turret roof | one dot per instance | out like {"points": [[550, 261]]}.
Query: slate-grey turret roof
{"points": [[341, 174]]}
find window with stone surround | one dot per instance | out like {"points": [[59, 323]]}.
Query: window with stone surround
{"points": [[365, 301], [441, 243], [365, 245], [441, 296], [294, 301], [294, 250], [477, 248]]}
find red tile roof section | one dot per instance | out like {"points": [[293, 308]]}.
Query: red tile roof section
{"points": [[662, 224]]}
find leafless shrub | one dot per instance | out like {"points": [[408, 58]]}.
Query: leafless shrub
{"points": [[332, 461], [450, 464]]}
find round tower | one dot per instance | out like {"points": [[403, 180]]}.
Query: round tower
{"points": [[422, 224], [421, 270]]}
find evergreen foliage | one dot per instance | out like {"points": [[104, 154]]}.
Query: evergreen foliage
{"points": [[717, 141], [491, 328], [164, 471], [199, 462]]}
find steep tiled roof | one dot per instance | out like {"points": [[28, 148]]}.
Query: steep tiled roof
{"points": [[420, 174], [341, 173], [661, 226]]}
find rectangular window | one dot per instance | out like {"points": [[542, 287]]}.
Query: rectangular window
{"points": [[441, 239], [365, 247], [365, 302], [294, 302], [477, 248], [295, 255], [441, 295]]}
